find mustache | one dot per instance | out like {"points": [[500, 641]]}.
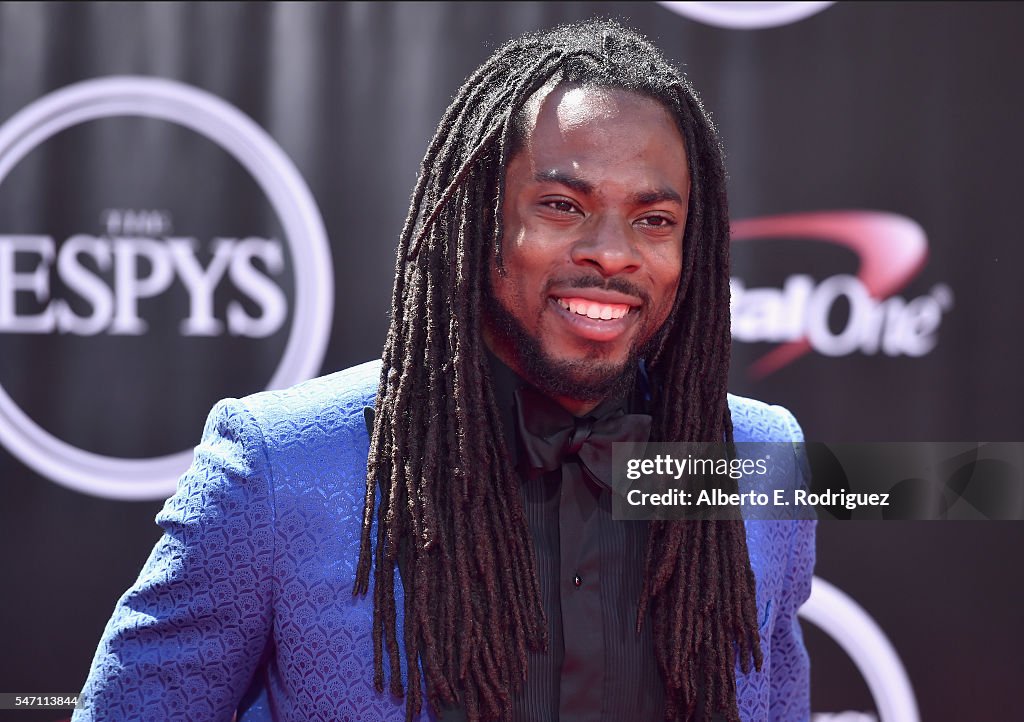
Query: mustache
{"points": [[615, 283]]}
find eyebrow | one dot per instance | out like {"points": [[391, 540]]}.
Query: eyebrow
{"points": [[569, 181], [642, 198]]}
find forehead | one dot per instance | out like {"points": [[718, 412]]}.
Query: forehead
{"points": [[594, 128]]}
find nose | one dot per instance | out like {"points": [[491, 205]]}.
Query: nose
{"points": [[607, 246]]}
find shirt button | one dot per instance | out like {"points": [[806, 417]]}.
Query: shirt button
{"points": [[577, 580]]}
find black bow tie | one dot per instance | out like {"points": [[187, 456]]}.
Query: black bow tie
{"points": [[549, 434]]}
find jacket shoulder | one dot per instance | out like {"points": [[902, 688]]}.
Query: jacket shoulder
{"points": [[754, 420], [323, 405]]}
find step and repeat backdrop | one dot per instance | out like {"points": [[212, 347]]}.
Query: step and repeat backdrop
{"points": [[200, 201]]}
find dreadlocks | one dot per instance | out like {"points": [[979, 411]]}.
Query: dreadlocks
{"points": [[449, 514]]}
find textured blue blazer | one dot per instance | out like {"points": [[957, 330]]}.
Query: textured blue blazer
{"points": [[245, 605]]}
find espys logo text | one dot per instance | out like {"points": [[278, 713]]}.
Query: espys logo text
{"points": [[91, 284], [144, 263], [891, 249]]}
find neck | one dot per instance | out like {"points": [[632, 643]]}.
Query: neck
{"points": [[575, 406]]}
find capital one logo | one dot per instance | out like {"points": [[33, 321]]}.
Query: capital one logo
{"points": [[138, 251], [891, 251]]}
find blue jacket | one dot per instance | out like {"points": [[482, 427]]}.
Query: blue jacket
{"points": [[245, 604]]}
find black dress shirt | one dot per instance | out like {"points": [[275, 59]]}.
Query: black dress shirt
{"points": [[590, 568]]}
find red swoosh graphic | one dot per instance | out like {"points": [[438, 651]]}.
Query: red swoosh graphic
{"points": [[892, 249]]}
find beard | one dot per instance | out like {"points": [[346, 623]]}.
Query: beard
{"points": [[591, 378]]}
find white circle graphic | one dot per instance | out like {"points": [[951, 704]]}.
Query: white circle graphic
{"points": [[839, 616], [277, 176], [746, 15]]}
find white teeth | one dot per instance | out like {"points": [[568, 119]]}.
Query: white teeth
{"points": [[595, 311]]}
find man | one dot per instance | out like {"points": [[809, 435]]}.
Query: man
{"points": [[562, 281]]}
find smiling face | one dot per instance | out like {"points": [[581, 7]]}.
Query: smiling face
{"points": [[592, 240]]}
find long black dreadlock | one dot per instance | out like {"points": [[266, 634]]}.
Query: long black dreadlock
{"points": [[450, 514]]}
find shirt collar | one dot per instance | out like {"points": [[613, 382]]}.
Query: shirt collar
{"points": [[505, 382]]}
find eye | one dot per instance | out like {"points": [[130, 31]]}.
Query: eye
{"points": [[657, 221], [561, 205]]}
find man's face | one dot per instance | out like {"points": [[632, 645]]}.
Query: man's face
{"points": [[592, 238]]}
